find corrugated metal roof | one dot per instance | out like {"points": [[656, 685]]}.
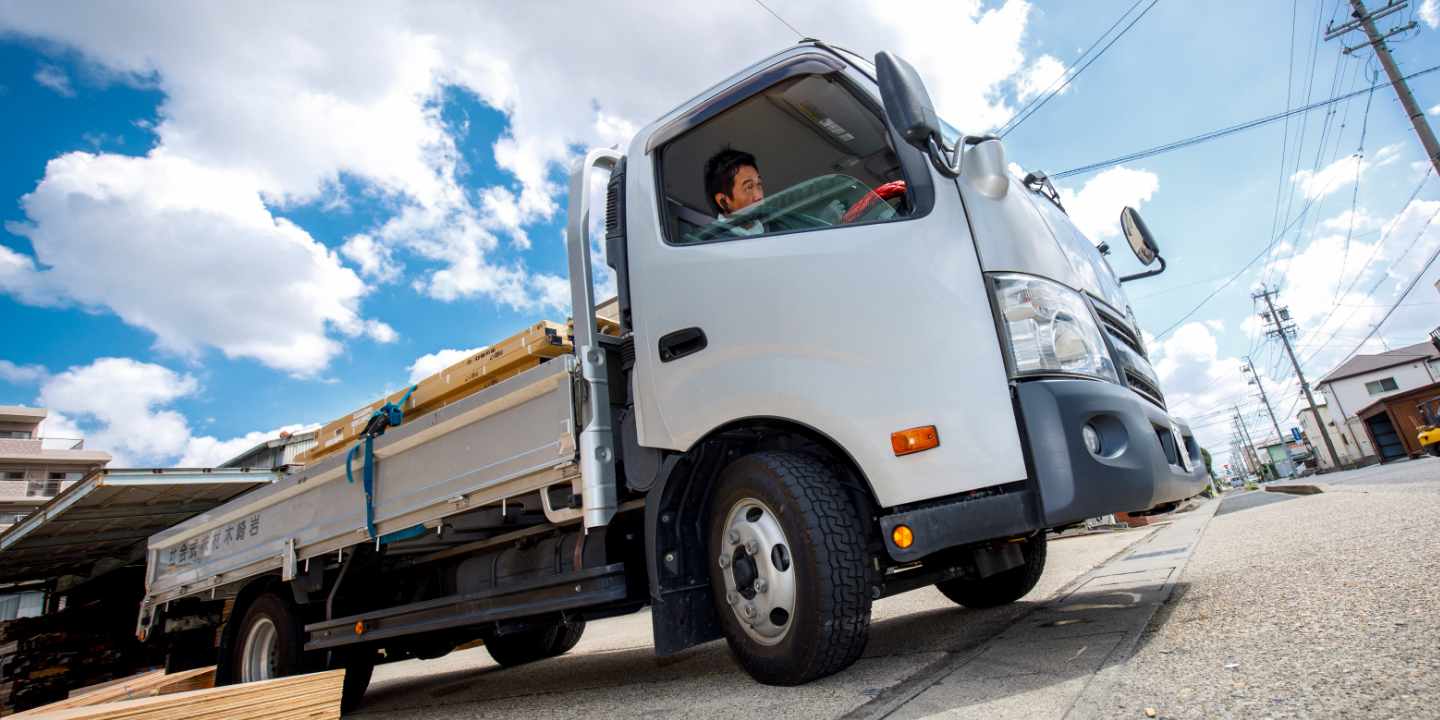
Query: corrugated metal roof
{"points": [[108, 515], [1361, 364]]}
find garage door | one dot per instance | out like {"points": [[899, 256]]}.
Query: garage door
{"points": [[1387, 440]]}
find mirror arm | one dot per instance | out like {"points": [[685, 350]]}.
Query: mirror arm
{"points": [[941, 159], [1147, 273]]}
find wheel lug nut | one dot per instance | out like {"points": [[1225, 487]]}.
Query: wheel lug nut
{"points": [[732, 598], [752, 547], [749, 610], [724, 561], [734, 537], [761, 585]]}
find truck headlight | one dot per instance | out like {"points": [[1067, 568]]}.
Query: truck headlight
{"points": [[1049, 329]]}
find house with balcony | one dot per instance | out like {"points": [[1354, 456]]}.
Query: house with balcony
{"points": [[35, 468]]}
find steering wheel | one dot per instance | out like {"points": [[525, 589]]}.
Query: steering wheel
{"points": [[871, 199]]}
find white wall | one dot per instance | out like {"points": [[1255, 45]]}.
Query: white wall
{"points": [[1350, 393], [1346, 445]]}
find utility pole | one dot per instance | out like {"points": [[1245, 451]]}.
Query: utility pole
{"points": [[1365, 20], [1257, 464], [1249, 367], [1280, 318]]}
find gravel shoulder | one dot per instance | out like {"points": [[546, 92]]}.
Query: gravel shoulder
{"points": [[1317, 606], [613, 672]]}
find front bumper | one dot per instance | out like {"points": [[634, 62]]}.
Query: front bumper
{"points": [[1139, 465]]}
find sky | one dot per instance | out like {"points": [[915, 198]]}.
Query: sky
{"points": [[221, 221]]}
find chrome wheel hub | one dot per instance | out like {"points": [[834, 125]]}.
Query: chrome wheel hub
{"points": [[759, 575], [262, 651]]}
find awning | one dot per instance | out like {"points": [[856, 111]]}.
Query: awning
{"points": [[101, 522]]}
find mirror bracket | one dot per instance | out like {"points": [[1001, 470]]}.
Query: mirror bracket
{"points": [[1147, 273], [951, 167]]}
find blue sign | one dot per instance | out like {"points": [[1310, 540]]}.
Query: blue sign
{"points": [[1296, 433]]}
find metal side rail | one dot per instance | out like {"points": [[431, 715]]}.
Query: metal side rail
{"points": [[582, 588]]}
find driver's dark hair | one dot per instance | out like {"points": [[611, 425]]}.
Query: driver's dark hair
{"points": [[720, 172]]}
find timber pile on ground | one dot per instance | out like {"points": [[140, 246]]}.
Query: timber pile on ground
{"points": [[514, 355], [150, 684], [302, 697], [79, 646]]}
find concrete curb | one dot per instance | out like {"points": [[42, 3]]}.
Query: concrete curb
{"points": [[1298, 489]]}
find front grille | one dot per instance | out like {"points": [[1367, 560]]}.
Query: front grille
{"points": [[1118, 330], [1145, 388]]}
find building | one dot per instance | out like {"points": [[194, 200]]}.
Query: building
{"points": [[34, 468], [1353, 451], [1363, 380], [274, 454], [1394, 421]]}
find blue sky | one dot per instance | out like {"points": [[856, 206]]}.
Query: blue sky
{"points": [[224, 222]]}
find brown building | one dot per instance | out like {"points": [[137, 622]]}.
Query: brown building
{"points": [[34, 468], [1394, 422]]}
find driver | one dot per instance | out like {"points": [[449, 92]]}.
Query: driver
{"points": [[732, 182]]}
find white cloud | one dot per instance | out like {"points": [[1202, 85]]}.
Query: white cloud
{"points": [[427, 365], [1435, 110], [1095, 209], [289, 98], [1216, 325], [120, 405], [54, 78], [189, 253], [375, 260], [1036, 79], [22, 374], [1430, 13], [1333, 307], [1342, 172]]}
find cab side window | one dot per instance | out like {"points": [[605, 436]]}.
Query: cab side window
{"points": [[802, 155]]}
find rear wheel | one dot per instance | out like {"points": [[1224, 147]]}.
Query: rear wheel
{"points": [[787, 568], [531, 645], [1003, 587], [271, 641]]}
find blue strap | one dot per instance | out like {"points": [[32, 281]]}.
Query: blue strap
{"points": [[396, 416], [367, 478]]}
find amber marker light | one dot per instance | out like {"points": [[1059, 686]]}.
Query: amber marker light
{"points": [[359, 628], [913, 441], [903, 537]]}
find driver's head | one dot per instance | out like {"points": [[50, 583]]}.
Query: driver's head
{"points": [[732, 181]]}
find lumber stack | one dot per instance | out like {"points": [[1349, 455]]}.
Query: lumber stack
{"points": [[523, 351], [151, 684], [302, 697]]}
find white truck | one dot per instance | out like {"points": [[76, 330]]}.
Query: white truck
{"points": [[901, 370]]}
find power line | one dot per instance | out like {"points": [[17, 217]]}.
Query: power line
{"points": [[1217, 134], [777, 17], [1022, 115]]}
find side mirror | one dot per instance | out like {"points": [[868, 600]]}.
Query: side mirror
{"points": [[1142, 242], [1139, 237], [907, 104]]}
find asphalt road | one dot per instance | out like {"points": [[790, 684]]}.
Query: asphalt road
{"points": [[613, 672], [1282, 606]]}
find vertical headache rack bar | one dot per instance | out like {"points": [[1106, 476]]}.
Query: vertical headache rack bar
{"points": [[597, 453]]}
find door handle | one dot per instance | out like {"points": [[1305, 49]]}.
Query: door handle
{"points": [[680, 343]]}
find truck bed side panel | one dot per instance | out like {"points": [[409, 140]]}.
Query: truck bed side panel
{"points": [[504, 441]]}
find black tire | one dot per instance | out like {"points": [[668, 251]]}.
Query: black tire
{"points": [[358, 670], [531, 645], [288, 656], [830, 622], [1001, 588]]}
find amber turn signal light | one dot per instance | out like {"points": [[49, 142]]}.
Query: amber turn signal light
{"points": [[912, 441], [903, 537]]}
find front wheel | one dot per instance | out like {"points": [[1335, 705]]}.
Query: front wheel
{"points": [[787, 568], [1003, 587]]}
